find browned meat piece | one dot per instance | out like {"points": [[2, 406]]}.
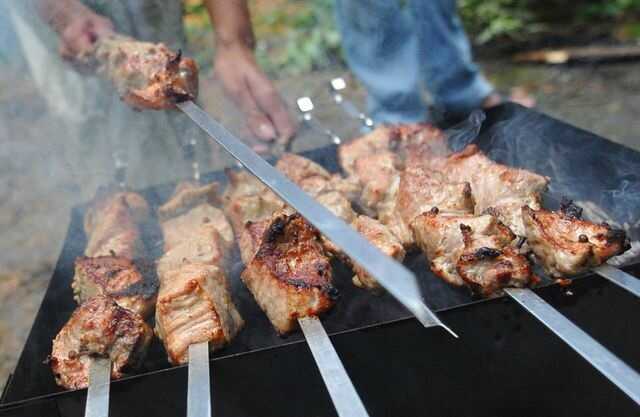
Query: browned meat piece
{"points": [[421, 190], [186, 196], [204, 216], [489, 263], [380, 236], [194, 306], [99, 327], [290, 276], [194, 303], [297, 168], [376, 175], [497, 189], [247, 199], [250, 239], [566, 245], [112, 226], [377, 141], [146, 75], [203, 246], [130, 284], [106, 197], [471, 250]]}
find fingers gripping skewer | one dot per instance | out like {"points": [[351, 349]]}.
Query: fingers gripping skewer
{"points": [[305, 107], [336, 86]]}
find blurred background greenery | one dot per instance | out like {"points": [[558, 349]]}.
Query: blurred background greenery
{"points": [[296, 36]]}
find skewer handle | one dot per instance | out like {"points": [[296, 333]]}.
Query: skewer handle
{"points": [[624, 377], [620, 278], [199, 392], [99, 384], [343, 394]]}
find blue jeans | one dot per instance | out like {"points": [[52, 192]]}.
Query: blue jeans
{"points": [[399, 51]]}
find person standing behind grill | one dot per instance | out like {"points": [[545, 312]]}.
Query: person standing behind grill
{"points": [[399, 48], [150, 139]]}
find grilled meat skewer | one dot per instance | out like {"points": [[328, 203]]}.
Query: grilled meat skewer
{"points": [[194, 303], [99, 327], [146, 75], [564, 244]]}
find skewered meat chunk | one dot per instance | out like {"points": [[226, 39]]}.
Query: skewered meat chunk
{"points": [[290, 276], [106, 198], [376, 174], [186, 196], [471, 250], [421, 190], [194, 306], [112, 227], [498, 189], [132, 285], [376, 141], [566, 245], [382, 238], [146, 75], [99, 327], [247, 199], [204, 216]]}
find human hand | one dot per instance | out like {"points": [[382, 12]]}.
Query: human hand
{"points": [[81, 32], [248, 86]]}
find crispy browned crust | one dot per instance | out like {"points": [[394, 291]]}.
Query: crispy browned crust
{"points": [[147, 75], [133, 285], [290, 276], [99, 327], [566, 245]]}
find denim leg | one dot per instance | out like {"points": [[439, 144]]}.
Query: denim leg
{"points": [[380, 47], [450, 75]]}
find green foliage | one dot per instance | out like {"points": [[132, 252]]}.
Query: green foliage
{"points": [[489, 19], [307, 39]]}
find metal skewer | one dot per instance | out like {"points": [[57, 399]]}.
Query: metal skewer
{"points": [[99, 383], [97, 404], [394, 277], [198, 389], [624, 377], [343, 394], [612, 367], [336, 86], [620, 278], [305, 107]]}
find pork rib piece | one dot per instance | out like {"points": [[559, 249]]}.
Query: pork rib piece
{"points": [[133, 285], [475, 251], [99, 327], [194, 302], [290, 276], [566, 245], [146, 75]]}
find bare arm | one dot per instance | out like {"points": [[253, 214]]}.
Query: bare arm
{"points": [[242, 78]]}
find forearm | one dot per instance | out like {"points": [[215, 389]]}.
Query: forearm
{"points": [[232, 22], [59, 13]]}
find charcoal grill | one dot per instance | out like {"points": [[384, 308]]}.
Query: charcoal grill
{"points": [[505, 363]]}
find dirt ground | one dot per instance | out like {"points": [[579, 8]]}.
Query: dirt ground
{"points": [[37, 190]]}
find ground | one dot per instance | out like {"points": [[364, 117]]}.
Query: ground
{"points": [[37, 190]]}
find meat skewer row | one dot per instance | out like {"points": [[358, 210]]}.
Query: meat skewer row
{"points": [[146, 75], [194, 302], [113, 291], [435, 196]]}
